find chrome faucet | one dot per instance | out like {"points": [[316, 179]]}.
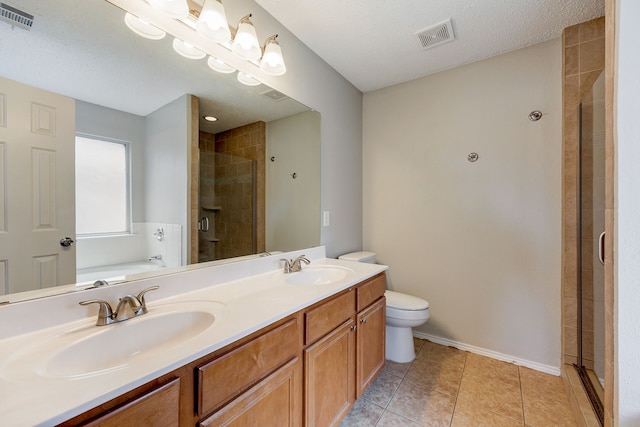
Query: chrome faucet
{"points": [[129, 306], [293, 265]]}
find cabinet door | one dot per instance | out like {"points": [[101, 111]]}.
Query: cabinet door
{"points": [[370, 344], [274, 402], [159, 407], [329, 379]]}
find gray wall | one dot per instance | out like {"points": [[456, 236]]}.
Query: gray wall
{"points": [[293, 205], [479, 241], [168, 135], [314, 83], [627, 211]]}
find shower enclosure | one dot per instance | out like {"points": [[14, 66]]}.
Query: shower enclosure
{"points": [[227, 206], [591, 225]]}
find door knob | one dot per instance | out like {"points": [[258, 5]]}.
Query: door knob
{"points": [[66, 242]]}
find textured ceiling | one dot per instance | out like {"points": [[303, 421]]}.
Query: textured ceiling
{"points": [[372, 42]]}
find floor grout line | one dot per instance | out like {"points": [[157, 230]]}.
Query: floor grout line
{"points": [[442, 384]]}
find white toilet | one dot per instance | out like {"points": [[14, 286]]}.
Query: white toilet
{"points": [[403, 313]]}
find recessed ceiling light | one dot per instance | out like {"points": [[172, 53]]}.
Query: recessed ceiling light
{"points": [[210, 118]]}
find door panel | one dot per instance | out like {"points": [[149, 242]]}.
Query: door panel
{"points": [[37, 137]]}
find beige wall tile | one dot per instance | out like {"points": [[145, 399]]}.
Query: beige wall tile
{"points": [[591, 55], [591, 30], [570, 342], [571, 35], [572, 60]]}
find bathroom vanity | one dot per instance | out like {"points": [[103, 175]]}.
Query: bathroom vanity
{"points": [[282, 350]]}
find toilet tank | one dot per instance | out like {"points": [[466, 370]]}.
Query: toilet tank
{"points": [[368, 257]]}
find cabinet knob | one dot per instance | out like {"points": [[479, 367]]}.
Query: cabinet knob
{"points": [[363, 320], [354, 327]]}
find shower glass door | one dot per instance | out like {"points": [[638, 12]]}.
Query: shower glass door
{"points": [[227, 199], [591, 259]]}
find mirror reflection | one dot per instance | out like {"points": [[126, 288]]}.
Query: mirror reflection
{"points": [[197, 191]]}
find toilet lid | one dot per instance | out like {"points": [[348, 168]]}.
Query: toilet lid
{"points": [[404, 301]]}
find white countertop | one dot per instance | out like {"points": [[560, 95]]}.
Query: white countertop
{"points": [[247, 296]]}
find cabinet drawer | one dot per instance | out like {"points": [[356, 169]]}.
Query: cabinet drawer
{"points": [[371, 290], [158, 407], [328, 316], [274, 402], [229, 375]]}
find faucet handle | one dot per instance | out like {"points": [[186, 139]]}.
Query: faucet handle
{"points": [[287, 265], [296, 264], [105, 314], [140, 297]]}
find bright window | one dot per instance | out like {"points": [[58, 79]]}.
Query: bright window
{"points": [[102, 186]]}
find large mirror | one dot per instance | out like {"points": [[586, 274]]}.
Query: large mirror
{"points": [[196, 191]]}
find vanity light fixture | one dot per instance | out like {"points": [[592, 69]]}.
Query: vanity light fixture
{"points": [[248, 80], [245, 43], [210, 118], [219, 65], [177, 9], [143, 28], [207, 19], [272, 61], [212, 22], [187, 50]]}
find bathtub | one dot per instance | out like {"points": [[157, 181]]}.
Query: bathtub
{"points": [[115, 272]]}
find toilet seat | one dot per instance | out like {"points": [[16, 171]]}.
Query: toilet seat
{"points": [[400, 301]]}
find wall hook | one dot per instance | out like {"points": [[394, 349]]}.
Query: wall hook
{"points": [[273, 158], [473, 157], [294, 175]]}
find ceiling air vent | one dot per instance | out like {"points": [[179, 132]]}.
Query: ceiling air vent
{"points": [[436, 34], [15, 17], [274, 94]]}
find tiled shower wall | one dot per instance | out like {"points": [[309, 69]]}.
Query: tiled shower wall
{"points": [[583, 63], [225, 183]]}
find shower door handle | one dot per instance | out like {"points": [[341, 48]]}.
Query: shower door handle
{"points": [[601, 247]]}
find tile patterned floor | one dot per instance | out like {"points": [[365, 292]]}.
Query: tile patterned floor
{"points": [[444, 386]]}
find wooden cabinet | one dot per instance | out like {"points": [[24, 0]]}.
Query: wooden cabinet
{"points": [[370, 342], [319, 359], [344, 339], [329, 379]]}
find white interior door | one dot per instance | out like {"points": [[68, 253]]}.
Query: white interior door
{"points": [[37, 181]]}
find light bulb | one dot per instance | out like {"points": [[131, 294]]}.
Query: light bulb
{"points": [[212, 23], [245, 43], [272, 61]]}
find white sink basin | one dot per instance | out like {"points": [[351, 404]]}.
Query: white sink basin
{"points": [[114, 347], [90, 350], [317, 275]]}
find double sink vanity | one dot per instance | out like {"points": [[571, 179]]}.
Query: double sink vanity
{"points": [[238, 344]]}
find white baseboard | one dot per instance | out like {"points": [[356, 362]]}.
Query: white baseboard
{"points": [[553, 370]]}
